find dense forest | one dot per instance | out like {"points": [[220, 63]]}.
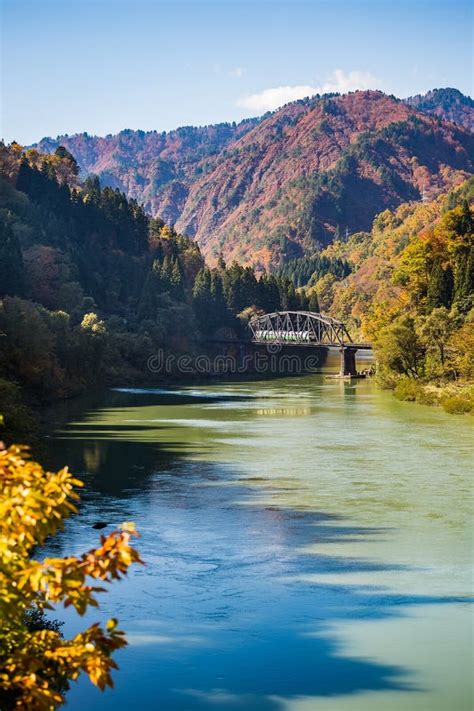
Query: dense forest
{"points": [[283, 186], [411, 293], [306, 271], [90, 286]]}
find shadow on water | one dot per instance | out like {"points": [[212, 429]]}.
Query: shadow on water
{"points": [[226, 613]]}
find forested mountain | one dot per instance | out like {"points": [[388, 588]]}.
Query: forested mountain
{"points": [[411, 294], [155, 168], [90, 286], [268, 190], [315, 168], [448, 104], [420, 255]]}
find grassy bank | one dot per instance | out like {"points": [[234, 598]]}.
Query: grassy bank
{"points": [[456, 398]]}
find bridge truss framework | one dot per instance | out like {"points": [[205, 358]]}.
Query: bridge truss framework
{"points": [[308, 328], [299, 327]]}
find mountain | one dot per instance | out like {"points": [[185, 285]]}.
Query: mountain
{"points": [[448, 104], [91, 287], [155, 168], [410, 293], [270, 189], [397, 264], [314, 168]]}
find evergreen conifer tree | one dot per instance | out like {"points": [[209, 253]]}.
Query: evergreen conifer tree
{"points": [[313, 304], [176, 281], [440, 287], [11, 262]]}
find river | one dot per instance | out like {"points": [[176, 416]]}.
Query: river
{"points": [[308, 545]]}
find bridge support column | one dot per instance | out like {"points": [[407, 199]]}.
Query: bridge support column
{"points": [[348, 361]]}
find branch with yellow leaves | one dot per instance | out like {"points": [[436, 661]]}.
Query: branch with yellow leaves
{"points": [[36, 666]]}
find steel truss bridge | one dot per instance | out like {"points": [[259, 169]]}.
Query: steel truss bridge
{"points": [[307, 328], [299, 327]]}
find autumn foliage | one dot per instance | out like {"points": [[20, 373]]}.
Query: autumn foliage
{"points": [[268, 189], [36, 662], [411, 294]]}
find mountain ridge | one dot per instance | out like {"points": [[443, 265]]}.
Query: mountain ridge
{"points": [[285, 183], [449, 104]]}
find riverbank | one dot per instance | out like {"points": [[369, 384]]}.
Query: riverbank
{"points": [[455, 398]]}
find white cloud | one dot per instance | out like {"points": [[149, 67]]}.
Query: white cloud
{"points": [[237, 72], [341, 82], [338, 81], [273, 98]]}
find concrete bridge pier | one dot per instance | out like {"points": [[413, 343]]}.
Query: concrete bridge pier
{"points": [[348, 361]]}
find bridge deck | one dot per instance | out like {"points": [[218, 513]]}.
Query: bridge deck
{"points": [[312, 344], [281, 342]]}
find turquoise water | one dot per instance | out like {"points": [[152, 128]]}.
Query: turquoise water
{"points": [[308, 545]]}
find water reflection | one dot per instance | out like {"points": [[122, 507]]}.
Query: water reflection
{"points": [[267, 537]]}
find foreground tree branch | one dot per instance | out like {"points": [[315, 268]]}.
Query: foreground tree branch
{"points": [[36, 665]]}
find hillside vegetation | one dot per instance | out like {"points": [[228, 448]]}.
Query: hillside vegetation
{"points": [[91, 287], [447, 104], [411, 293], [271, 189]]}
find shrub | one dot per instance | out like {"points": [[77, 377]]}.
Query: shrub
{"points": [[399, 349], [458, 404], [15, 417], [385, 378], [407, 389], [426, 397]]}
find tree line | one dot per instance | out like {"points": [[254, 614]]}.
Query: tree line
{"points": [[411, 293], [90, 285]]}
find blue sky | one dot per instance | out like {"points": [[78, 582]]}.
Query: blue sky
{"points": [[104, 65]]}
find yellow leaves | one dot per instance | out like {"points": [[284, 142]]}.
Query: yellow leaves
{"points": [[91, 322], [42, 653], [36, 694], [64, 579], [111, 624], [128, 526], [33, 502], [460, 351], [33, 665]]}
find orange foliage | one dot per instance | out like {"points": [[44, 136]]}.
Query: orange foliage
{"points": [[35, 666]]}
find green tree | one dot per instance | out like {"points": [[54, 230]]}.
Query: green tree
{"points": [[176, 281], [202, 300], [219, 312], [268, 293], [399, 349], [11, 261], [152, 286], [91, 187], [464, 284], [440, 287], [460, 350], [434, 332]]}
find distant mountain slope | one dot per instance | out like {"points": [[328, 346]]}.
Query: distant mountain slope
{"points": [[312, 169], [272, 188], [416, 258], [155, 168], [448, 104]]}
